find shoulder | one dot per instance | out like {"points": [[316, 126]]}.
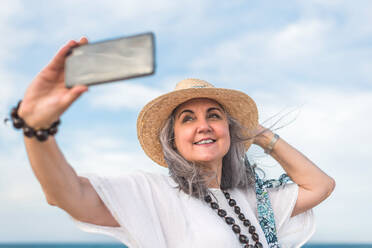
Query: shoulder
{"points": [[282, 198], [137, 179], [286, 193], [153, 178]]}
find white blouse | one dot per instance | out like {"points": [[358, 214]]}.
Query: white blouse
{"points": [[152, 212]]}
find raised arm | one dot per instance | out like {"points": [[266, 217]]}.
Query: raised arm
{"points": [[44, 102], [314, 185]]}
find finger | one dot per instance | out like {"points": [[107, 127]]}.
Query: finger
{"points": [[83, 40], [73, 94], [59, 59]]}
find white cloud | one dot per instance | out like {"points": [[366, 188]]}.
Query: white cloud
{"points": [[9, 8], [329, 119], [13, 39], [12, 36], [101, 150], [123, 95], [328, 49], [101, 19], [326, 117], [352, 19], [7, 92], [17, 182], [298, 40]]}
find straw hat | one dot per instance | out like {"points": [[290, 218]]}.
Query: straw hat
{"points": [[153, 116]]}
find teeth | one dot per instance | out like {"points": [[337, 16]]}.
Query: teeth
{"points": [[204, 142]]}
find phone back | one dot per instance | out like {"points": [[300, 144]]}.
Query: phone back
{"points": [[111, 60]]}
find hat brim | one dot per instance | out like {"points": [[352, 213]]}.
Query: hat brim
{"points": [[153, 116]]}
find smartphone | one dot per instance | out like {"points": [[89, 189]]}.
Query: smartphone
{"points": [[111, 60]]}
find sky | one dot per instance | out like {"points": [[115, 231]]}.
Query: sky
{"points": [[307, 63]]}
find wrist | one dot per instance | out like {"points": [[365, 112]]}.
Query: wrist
{"points": [[264, 138], [267, 140], [33, 119], [272, 143], [41, 134]]}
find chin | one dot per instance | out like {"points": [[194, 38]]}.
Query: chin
{"points": [[207, 161]]}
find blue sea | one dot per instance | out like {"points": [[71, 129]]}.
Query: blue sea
{"points": [[85, 245]]}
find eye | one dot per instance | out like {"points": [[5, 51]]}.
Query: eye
{"points": [[214, 115], [187, 118]]}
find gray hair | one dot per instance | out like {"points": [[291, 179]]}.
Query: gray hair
{"points": [[192, 179]]}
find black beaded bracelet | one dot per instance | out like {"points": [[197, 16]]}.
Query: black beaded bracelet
{"points": [[40, 134]]}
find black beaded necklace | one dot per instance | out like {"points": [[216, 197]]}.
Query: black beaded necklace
{"points": [[230, 220]]}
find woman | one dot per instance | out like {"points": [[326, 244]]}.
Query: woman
{"points": [[213, 197]]}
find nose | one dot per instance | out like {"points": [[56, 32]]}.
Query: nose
{"points": [[203, 126]]}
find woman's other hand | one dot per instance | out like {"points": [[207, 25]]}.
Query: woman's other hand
{"points": [[262, 136], [47, 97]]}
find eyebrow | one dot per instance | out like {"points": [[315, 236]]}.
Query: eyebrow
{"points": [[214, 108], [192, 112], [184, 111]]}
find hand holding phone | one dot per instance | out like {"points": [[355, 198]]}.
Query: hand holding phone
{"points": [[46, 98], [111, 60]]}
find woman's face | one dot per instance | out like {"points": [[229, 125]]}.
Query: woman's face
{"points": [[201, 131]]}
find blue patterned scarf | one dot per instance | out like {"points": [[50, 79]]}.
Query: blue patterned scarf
{"points": [[264, 209]]}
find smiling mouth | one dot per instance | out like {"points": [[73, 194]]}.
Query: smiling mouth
{"points": [[206, 141]]}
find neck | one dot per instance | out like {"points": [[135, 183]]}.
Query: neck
{"points": [[216, 179]]}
